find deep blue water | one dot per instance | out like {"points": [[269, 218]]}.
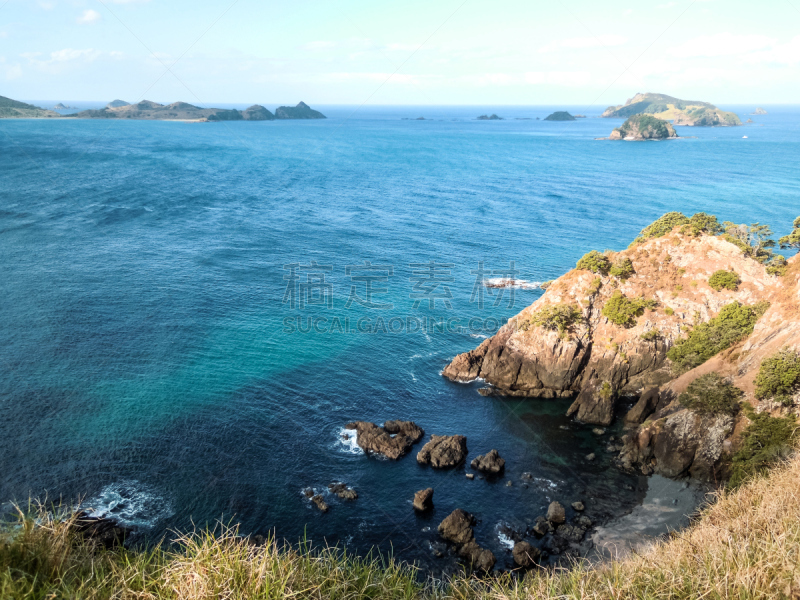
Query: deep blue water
{"points": [[146, 363]]}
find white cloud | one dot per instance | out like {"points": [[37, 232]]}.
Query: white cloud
{"points": [[376, 77], [89, 16], [585, 42], [785, 54], [721, 44], [68, 54], [13, 72], [564, 78]]}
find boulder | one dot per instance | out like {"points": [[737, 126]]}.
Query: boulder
{"points": [[480, 559], [542, 527], [423, 500], [443, 451], [556, 513], [457, 527], [393, 440], [595, 404], [571, 533], [525, 555], [320, 503], [342, 491], [488, 463], [578, 506], [645, 407]]}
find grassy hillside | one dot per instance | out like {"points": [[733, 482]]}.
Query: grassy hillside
{"points": [[747, 545], [13, 109]]}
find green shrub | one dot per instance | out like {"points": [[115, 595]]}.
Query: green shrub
{"points": [[711, 394], [702, 223], [766, 441], [594, 286], [779, 376], [595, 262], [606, 392], [733, 323], [661, 226], [623, 311], [623, 268], [777, 266], [651, 335], [545, 284], [724, 280], [554, 317], [669, 311], [793, 239]]}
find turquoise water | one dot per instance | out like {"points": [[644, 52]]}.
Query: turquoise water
{"points": [[151, 367]]}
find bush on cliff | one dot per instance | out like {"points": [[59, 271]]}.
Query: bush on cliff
{"points": [[793, 239], [622, 268], [779, 376], [623, 311], [697, 224], [724, 280], [712, 394], [766, 441], [595, 262], [554, 317], [733, 323]]}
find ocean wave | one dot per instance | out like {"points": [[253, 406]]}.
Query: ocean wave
{"points": [[349, 445], [504, 540], [129, 503]]}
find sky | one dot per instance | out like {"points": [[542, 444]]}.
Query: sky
{"points": [[384, 52]]}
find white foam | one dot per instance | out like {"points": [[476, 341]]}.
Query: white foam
{"points": [[129, 503], [506, 282], [504, 540], [349, 445], [478, 335]]}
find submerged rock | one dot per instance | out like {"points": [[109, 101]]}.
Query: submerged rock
{"points": [[393, 440], [578, 506], [320, 503], [103, 530], [489, 462], [423, 500], [342, 491], [443, 451]]}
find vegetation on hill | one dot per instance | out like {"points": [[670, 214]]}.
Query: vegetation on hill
{"points": [[697, 224], [595, 262], [13, 109], [793, 239], [555, 317], [779, 376], [683, 112], [745, 545], [560, 115], [644, 127], [621, 310], [733, 323], [723, 279], [712, 394], [766, 441]]}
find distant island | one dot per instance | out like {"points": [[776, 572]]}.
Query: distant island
{"points": [[152, 111], [560, 115], [492, 117], [61, 106], [12, 109], [681, 112], [759, 111], [644, 127], [580, 116]]}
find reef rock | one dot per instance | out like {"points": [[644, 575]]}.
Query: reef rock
{"points": [[488, 463], [457, 529], [525, 555], [443, 451], [556, 513], [423, 500], [393, 440]]}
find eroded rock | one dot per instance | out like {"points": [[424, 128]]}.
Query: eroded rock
{"points": [[489, 462], [556, 513], [393, 440], [525, 555], [443, 451], [423, 500]]}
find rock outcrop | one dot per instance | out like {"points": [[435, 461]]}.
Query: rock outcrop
{"points": [[443, 451], [423, 500], [104, 531], [556, 513], [457, 529], [393, 440], [597, 360], [342, 490], [525, 555], [489, 463]]}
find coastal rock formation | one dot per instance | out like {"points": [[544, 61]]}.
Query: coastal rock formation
{"points": [[669, 108], [301, 111], [644, 127], [560, 115], [525, 555], [257, 113], [443, 451], [12, 109], [556, 513], [393, 440], [488, 463], [105, 531], [423, 500], [599, 336], [319, 502], [342, 490], [457, 529]]}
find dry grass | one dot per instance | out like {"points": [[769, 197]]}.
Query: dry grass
{"points": [[745, 546]]}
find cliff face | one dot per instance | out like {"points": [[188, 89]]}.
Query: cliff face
{"points": [[596, 361]]}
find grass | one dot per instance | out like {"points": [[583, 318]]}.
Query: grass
{"points": [[744, 546]]}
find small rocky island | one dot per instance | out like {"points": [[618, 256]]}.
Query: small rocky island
{"points": [[691, 113], [560, 115], [644, 127], [759, 111], [492, 117]]}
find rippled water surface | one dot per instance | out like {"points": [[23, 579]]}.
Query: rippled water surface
{"points": [[148, 359]]}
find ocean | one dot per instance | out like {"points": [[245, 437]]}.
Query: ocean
{"points": [[191, 312]]}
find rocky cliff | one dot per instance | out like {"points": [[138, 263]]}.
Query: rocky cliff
{"points": [[597, 337]]}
